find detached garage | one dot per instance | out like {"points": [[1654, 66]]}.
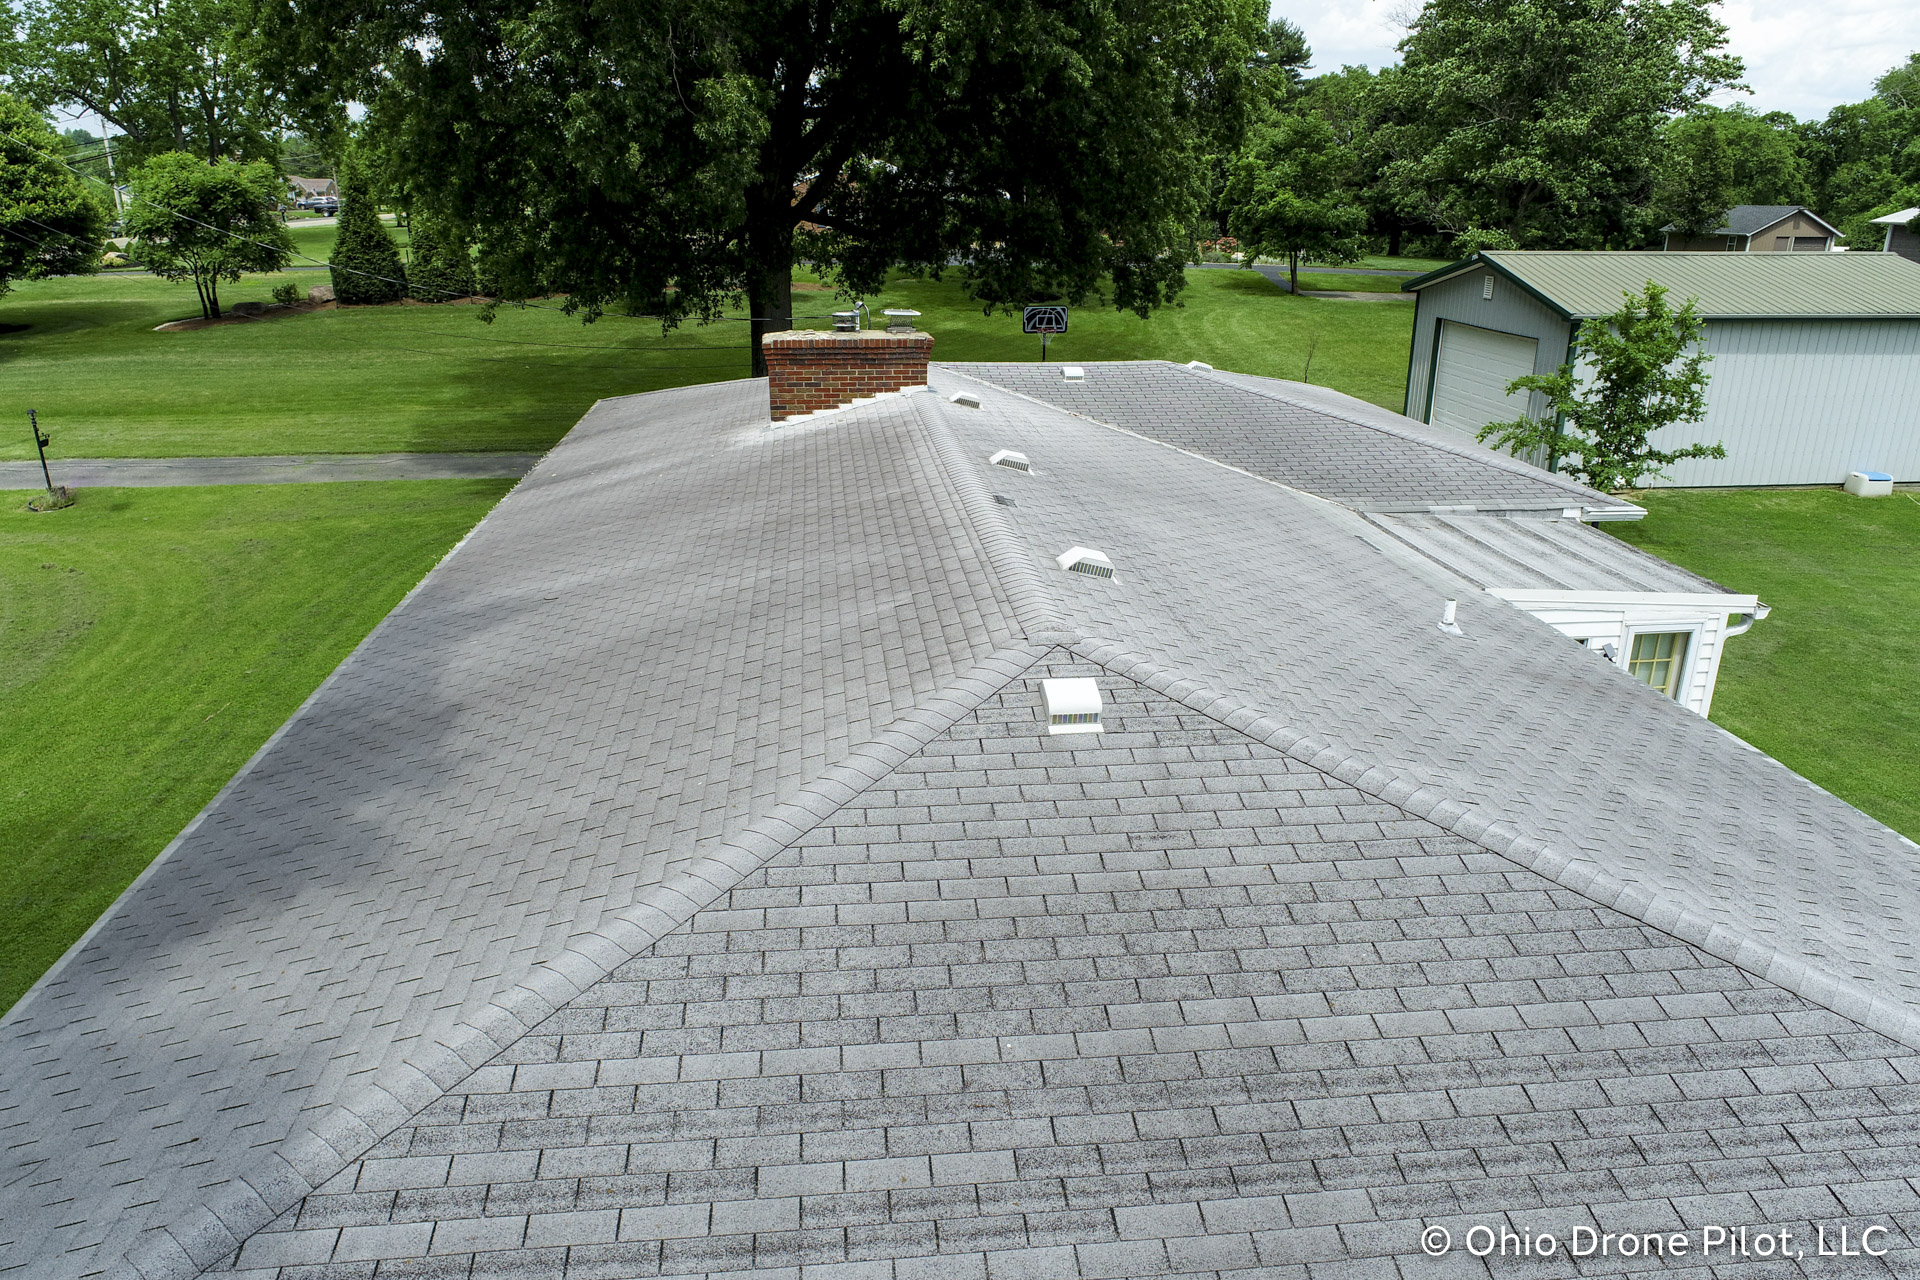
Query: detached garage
{"points": [[1816, 357]]}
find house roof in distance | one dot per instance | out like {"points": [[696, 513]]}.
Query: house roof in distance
{"points": [[682, 881], [1899, 218], [1751, 219], [1583, 285]]}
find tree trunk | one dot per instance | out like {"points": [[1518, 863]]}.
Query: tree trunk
{"points": [[769, 281], [1393, 238], [213, 297], [1293, 272], [200, 287]]}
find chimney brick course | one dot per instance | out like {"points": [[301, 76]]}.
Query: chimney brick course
{"points": [[813, 369]]}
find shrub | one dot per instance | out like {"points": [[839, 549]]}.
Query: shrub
{"points": [[366, 265], [287, 295], [440, 267]]}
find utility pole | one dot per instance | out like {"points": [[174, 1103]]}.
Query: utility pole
{"points": [[113, 181], [40, 442]]}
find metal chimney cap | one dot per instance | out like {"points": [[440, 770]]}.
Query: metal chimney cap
{"points": [[900, 319]]}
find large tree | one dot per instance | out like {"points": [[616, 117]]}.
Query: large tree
{"points": [[1287, 199], [168, 75], [191, 220], [50, 223], [1718, 157], [669, 158], [1541, 118]]}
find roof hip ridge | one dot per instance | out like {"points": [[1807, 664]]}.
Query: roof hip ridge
{"points": [[1035, 607], [347, 1129], [1497, 834]]}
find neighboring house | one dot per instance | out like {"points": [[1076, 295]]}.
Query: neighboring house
{"points": [[1816, 357], [1761, 228], [1901, 237], [314, 188], [688, 879]]}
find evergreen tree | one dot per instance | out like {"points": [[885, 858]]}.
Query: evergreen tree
{"points": [[366, 264], [439, 267]]}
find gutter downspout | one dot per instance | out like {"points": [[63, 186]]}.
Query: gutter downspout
{"points": [[1761, 610]]}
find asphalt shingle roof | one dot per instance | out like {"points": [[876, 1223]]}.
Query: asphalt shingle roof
{"points": [[680, 882], [1305, 437], [1159, 1001]]}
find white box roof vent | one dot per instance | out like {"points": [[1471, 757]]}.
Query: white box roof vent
{"points": [[1085, 560], [1072, 372], [1011, 460], [1072, 706], [1201, 365], [965, 399]]}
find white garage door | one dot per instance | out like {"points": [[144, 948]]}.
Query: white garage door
{"points": [[1472, 370]]}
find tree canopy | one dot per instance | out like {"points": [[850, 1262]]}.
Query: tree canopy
{"points": [[668, 159], [168, 75], [191, 220], [50, 224], [1285, 197], [1541, 118]]}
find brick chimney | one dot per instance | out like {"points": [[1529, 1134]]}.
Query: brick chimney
{"points": [[811, 369]]}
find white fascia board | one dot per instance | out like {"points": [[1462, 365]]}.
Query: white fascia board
{"points": [[1708, 601]]}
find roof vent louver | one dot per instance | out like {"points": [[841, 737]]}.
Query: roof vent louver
{"points": [[1201, 365], [965, 399], [1072, 706], [1085, 560], [1011, 460], [1072, 372]]}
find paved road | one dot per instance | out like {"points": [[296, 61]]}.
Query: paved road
{"points": [[89, 473]]}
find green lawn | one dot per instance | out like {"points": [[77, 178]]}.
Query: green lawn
{"points": [[1412, 266], [1319, 279], [1830, 683], [154, 639], [418, 378]]}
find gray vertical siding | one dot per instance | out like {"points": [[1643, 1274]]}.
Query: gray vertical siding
{"points": [[1806, 402], [1510, 310]]}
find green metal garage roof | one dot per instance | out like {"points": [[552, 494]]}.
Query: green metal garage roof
{"points": [[1729, 286]]}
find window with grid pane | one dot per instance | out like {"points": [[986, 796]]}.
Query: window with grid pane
{"points": [[1657, 658]]}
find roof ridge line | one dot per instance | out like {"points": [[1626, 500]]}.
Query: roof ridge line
{"points": [[347, 1129], [1894, 1019], [1510, 465], [1184, 452]]}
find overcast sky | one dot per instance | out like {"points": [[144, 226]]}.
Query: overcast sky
{"points": [[1799, 61]]}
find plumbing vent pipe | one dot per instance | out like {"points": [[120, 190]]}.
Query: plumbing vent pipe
{"points": [[965, 399], [1011, 460], [1072, 706], [1085, 560], [1447, 623]]}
